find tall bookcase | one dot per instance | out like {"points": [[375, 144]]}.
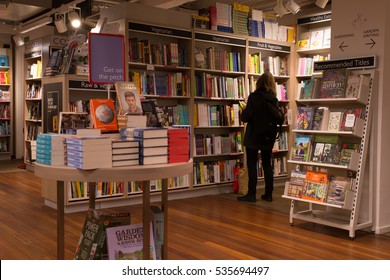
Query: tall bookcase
{"points": [[348, 214], [5, 103]]}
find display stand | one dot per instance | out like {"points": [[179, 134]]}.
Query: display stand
{"points": [[132, 173], [351, 216]]}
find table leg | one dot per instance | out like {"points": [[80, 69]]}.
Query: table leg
{"points": [[60, 221], [92, 194], [146, 219], [164, 208]]}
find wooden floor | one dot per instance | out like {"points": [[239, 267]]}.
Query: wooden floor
{"points": [[202, 228]]}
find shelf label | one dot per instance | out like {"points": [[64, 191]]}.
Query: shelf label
{"points": [[86, 85], [159, 30], [315, 19], [106, 58], [220, 39], [268, 46], [33, 46], [357, 62]]}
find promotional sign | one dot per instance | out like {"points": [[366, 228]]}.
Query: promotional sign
{"points": [[106, 58]]}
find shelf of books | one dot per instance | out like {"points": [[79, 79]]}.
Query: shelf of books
{"points": [[33, 57], [5, 103], [331, 128], [219, 80]]}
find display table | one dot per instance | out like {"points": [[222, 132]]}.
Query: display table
{"points": [[144, 173]]}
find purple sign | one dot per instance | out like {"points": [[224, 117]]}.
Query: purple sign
{"points": [[106, 58]]}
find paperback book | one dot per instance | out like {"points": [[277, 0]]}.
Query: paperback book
{"points": [[304, 118], [333, 83], [316, 186], [129, 98], [103, 114], [297, 183], [349, 118], [338, 187], [347, 149], [301, 147]]}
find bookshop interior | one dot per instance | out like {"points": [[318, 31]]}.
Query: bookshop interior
{"points": [[119, 118]]}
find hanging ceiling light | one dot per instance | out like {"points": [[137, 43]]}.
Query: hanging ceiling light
{"points": [[75, 18], [292, 6], [322, 3], [280, 9], [60, 22]]}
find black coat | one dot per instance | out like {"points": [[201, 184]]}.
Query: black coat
{"points": [[257, 133]]}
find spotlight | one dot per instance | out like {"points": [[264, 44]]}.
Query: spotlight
{"points": [[18, 40], [322, 3], [280, 9], [292, 6], [74, 19], [99, 25], [60, 22]]}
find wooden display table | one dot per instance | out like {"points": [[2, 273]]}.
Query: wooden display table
{"points": [[143, 173]]}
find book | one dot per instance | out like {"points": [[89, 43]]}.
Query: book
{"points": [[334, 121], [338, 187], [327, 38], [357, 85], [153, 151], [90, 245], [301, 147], [320, 119], [326, 149], [121, 151], [88, 140], [70, 122], [103, 114], [316, 186], [150, 109], [151, 142], [126, 242], [118, 143], [158, 229], [304, 118], [297, 183], [157, 159], [144, 132], [127, 162], [347, 148], [333, 83], [116, 157], [316, 39], [132, 121], [303, 42], [349, 117], [129, 98]]}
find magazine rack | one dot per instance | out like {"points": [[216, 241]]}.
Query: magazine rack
{"points": [[345, 216], [144, 173]]}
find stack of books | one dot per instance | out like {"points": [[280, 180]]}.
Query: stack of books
{"points": [[178, 142], [153, 143], [50, 149], [89, 152], [125, 152], [131, 121]]}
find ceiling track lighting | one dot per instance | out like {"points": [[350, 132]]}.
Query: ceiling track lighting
{"points": [[35, 25], [322, 3], [280, 9], [60, 22], [75, 17], [18, 40], [292, 6]]}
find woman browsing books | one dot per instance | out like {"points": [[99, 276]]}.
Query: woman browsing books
{"points": [[260, 135]]}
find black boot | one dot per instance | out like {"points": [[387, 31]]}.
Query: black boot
{"points": [[267, 197], [247, 198]]}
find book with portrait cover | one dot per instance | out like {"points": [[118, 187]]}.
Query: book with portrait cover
{"points": [[126, 242], [103, 115], [333, 83], [301, 147], [129, 98]]}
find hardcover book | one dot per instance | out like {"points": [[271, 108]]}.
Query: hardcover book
{"points": [[297, 183], [304, 118], [316, 186], [316, 39], [70, 122], [320, 119], [346, 152], [326, 149], [356, 85], [338, 186], [103, 114], [129, 98], [126, 242], [144, 132], [301, 147], [349, 118], [153, 113], [333, 83], [334, 121]]}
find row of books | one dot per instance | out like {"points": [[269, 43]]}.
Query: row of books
{"points": [[34, 91], [34, 70], [276, 65], [214, 58], [315, 39], [214, 171], [281, 89], [218, 144], [216, 115], [5, 111], [329, 149], [145, 51], [306, 64], [207, 85], [325, 119], [5, 129], [4, 78], [4, 60], [3, 145], [279, 166], [156, 185], [335, 83], [321, 187], [4, 95]]}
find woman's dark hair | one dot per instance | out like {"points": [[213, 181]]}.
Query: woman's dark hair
{"points": [[266, 82]]}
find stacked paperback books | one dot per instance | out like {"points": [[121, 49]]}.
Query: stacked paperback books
{"points": [[153, 143], [50, 149], [125, 152], [89, 152]]}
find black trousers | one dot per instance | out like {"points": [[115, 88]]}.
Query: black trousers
{"points": [[251, 161]]}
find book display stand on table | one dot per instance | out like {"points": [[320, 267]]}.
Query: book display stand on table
{"points": [[143, 173]]}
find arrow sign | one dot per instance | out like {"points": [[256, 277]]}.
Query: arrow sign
{"points": [[342, 46], [372, 43]]}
